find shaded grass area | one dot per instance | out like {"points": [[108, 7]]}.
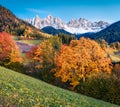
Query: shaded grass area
{"points": [[114, 56], [18, 90]]}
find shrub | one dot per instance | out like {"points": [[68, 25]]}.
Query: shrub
{"points": [[116, 69], [16, 66], [103, 87]]}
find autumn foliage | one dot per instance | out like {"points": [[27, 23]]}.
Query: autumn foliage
{"points": [[41, 58], [79, 60], [71, 63], [9, 52], [31, 54], [46, 52]]}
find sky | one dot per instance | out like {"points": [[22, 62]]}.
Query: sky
{"points": [[93, 10]]}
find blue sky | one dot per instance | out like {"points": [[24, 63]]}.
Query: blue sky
{"points": [[93, 10]]}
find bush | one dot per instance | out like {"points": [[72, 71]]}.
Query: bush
{"points": [[16, 66], [116, 69], [103, 87]]}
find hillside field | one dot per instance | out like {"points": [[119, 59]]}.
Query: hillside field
{"points": [[18, 90]]}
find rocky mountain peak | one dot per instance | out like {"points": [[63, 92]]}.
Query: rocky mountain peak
{"points": [[50, 17]]}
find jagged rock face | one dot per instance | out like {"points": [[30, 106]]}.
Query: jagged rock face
{"points": [[74, 26]]}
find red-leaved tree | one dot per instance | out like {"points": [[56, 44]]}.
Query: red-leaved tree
{"points": [[9, 52]]}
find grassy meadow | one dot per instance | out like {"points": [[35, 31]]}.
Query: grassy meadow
{"points": [[18, 90]]}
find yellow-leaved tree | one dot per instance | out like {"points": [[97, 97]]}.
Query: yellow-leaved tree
{"points": [[79, 60], [44, 57]]}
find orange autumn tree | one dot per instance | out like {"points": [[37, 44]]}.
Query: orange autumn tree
{"points": [[9, 52], [44, 58], [44, 55], [79, 60], [30, 55]]}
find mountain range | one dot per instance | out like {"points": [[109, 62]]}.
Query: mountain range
{"points": [[77, 26]]}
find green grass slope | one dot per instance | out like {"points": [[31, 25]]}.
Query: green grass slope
{"points": [[18, 90]]}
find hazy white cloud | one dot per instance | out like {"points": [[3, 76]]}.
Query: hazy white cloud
{"points": [[38, 11]]}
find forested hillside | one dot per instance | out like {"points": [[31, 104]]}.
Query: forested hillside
{"points": [[13, 25]]}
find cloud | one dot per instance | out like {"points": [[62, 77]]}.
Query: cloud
{"points": [[38, 11]]}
